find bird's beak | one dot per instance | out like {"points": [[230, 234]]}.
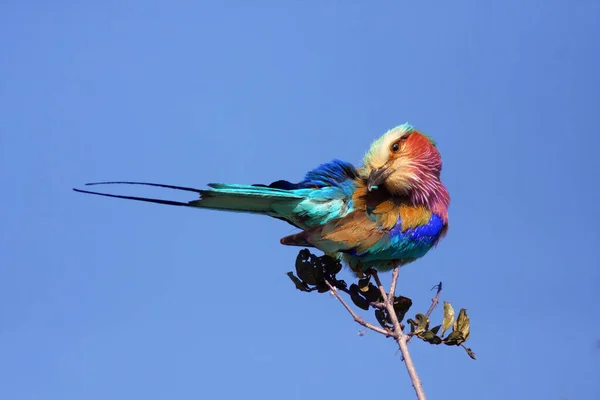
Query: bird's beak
{"points": [[377, 177]]}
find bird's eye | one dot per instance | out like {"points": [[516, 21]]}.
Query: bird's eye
{"points": [[399, 144]]}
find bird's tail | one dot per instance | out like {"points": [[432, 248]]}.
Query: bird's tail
{"points": [[256, 199]]}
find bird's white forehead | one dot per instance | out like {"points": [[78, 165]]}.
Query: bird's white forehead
{"points": [[379, 150]]}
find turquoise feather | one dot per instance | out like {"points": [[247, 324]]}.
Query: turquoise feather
{"points": [[324, 195], [324, 204]]}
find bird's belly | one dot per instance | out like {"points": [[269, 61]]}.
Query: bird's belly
{"points": [[399, 247]]}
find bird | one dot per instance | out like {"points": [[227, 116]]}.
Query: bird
{"points": [[388, 212]]}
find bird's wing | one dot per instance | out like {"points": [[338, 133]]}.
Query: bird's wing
{"points": [[354, 232], [327, 194], [374, 237], [323, 195]]}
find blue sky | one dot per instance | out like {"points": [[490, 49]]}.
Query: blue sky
{"points": [[109, 299]]}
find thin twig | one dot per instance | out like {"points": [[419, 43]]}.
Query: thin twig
{"points": [[393, 285], [377, 305], [401, 337], [434, 302], [469, 351], [356, 317], [379, 285], [410, 367]]}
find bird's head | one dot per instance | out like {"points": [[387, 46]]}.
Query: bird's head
{"points": [[404, 161]]}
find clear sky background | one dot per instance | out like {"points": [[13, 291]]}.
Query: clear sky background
{"points": [[109, 299]]}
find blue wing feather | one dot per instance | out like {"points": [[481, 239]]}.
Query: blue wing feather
{"points": [[409, 245], [324, 194], [334, 173], [327, 193]]}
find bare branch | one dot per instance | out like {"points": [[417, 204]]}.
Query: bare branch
{"points": [[377, 305], [388, 307], [435, 300], [401, 338], [410, 367], [356, 317], [395, 274]]}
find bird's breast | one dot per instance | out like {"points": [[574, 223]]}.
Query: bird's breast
{"points": [[411, 243], [389, 215]]}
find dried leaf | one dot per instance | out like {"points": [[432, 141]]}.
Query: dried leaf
{"points": [[372, 293], [322, 287], [448, 317], [419, 325], [331, 265], [299, 284], [319, 271], [381, 317], [463, 324], [357, 297], [401, 306], [454, 339], [305, 267], [363, 284], [431, 337]]}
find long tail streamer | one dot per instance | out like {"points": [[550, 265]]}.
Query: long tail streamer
{"points": [[146, 199]]}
